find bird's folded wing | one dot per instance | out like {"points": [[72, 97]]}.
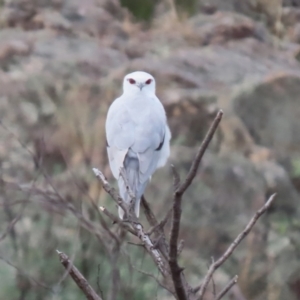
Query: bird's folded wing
{"points": [[119, 135], [148, 164]]}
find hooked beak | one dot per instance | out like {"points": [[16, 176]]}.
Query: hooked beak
{"points": [[140, 85]]}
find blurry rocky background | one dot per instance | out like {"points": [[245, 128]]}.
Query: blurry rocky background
{"points": [[62, 64]]}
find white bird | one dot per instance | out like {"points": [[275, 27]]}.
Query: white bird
{"points": [[138, 136]]}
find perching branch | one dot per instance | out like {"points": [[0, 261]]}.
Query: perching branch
{"points": [[136, 226], [214, 266], [78, 277]]}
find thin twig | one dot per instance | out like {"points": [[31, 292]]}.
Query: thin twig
{"points": [[135, 244], [229, 285], [109, 190], [159, 232], [214, 266], [78, 278], [148, 212], [176, 178], [213, 281], [151, 276], [150, 248], [115, 219], [10, 226], [98, 281], [84, 193], [194, 167], [180, 247], [25, 274], [162, 223]]}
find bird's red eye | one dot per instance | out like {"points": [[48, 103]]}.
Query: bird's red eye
{"points": [[148, 81], [131, 81]]}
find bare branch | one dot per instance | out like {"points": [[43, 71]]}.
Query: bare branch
{"points": [[115, 219], [176, 178], [150, 248], [148, 212], [214, 266], [111, 191], [158, 231], [78, 277], [176, 271], [230, 284], [194, 167], [212, 279], [162, 223], [10, 226], [180, 247], [136, 226], [25, 274], [135, 244], [151, 276]]}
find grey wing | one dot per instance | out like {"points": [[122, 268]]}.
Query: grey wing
{"points": [[165, 148], [150, 141], [119, 134]]}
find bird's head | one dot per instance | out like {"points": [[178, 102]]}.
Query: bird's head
{"points": [[139, 82]]}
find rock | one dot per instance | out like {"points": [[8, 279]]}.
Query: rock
{"points": [[293, 3], [17, 13], [262, 10], [189, 106], [217, 68], [51, 20], [61, 55], [290, 16], [94, 19], [225, 26], [274, 110], [13, 47]]}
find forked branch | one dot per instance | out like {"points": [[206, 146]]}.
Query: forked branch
{"points": [[179, 189]]}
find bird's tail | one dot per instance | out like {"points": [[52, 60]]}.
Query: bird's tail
{"points": [[131, 167]]}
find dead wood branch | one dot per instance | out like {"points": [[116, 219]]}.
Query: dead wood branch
{"points": [[136, 226], [214, 266], [78, 278], [194, 167], [176, 270], [227, 288], [112, 192]]}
